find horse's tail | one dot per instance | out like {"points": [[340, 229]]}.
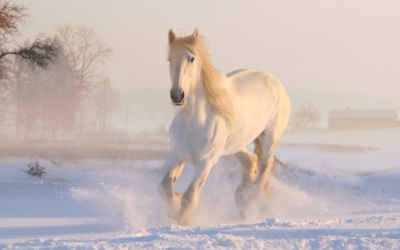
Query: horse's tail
{"points": [[284, 167], [259, 152]]}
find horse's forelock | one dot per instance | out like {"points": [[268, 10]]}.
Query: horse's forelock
{"points": [[189, 43]]}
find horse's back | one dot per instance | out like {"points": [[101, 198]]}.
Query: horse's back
{"points": [[253, 82], [235, 72], [261, 103], [250, 84], [246, 77]]}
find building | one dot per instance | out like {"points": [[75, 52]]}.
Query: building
{"points": [[352, 119]]}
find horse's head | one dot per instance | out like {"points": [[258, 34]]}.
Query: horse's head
{"points": [[184, 65]]}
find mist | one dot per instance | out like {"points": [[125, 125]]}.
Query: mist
{"points": [[313, 47], [328, 56]]}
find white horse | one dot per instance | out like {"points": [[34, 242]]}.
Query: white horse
{"points": [[220, 115]]}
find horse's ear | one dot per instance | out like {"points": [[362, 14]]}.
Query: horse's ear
{"points": [[196, 33], [171, 36]]}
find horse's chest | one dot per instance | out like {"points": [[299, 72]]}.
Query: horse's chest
{"points": [[194, 141]]}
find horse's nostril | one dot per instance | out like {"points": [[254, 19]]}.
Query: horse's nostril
{"points": [[177, 96]]}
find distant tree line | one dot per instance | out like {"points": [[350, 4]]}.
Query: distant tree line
{"points": [[56, 84], [306, 117]]}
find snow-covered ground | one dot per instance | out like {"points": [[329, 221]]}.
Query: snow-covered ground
{"points": [[339, 200]]}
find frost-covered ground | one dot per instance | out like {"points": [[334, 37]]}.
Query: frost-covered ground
{"points": [[339, 200]]}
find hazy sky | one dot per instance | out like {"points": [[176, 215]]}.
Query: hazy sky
{"points": [[341, 45]]}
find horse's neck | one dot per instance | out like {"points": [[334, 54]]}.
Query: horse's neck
{"points": [[197, 105]]}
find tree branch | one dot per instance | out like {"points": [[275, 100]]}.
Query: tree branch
{"points": [[38, 54]]}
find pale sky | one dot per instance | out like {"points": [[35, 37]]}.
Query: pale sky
{"points": [[341, 45]]}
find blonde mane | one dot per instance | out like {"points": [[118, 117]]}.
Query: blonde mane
{"points": [[215, 86]]}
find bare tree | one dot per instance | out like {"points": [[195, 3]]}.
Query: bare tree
{"points": [[54, 99], [24, 93], [104, 99], [307, 116], [60, 98], [40, 53], [43, 97], [11, 15], [87, 54]]}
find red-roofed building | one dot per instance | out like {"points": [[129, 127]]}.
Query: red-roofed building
{"points": [[352, 119]]}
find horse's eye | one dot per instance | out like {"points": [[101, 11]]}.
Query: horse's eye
{"points": [[192, 59]]}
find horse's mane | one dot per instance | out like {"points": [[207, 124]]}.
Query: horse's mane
{"points": [[215, 86]]}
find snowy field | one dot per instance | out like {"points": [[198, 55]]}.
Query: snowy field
{"points": [[341, 199]]}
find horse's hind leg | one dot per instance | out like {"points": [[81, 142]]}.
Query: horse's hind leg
{"points": [[268, 140], [266, 165], [249, 164], [175, 167]]}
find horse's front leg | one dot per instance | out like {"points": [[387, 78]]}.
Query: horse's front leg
{"points": [[191, 195], [175, 166]]}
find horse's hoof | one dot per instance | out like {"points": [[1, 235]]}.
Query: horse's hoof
{"points": [[242, 214]]}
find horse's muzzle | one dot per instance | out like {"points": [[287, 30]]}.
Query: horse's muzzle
{"points": [[177, 97]]}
